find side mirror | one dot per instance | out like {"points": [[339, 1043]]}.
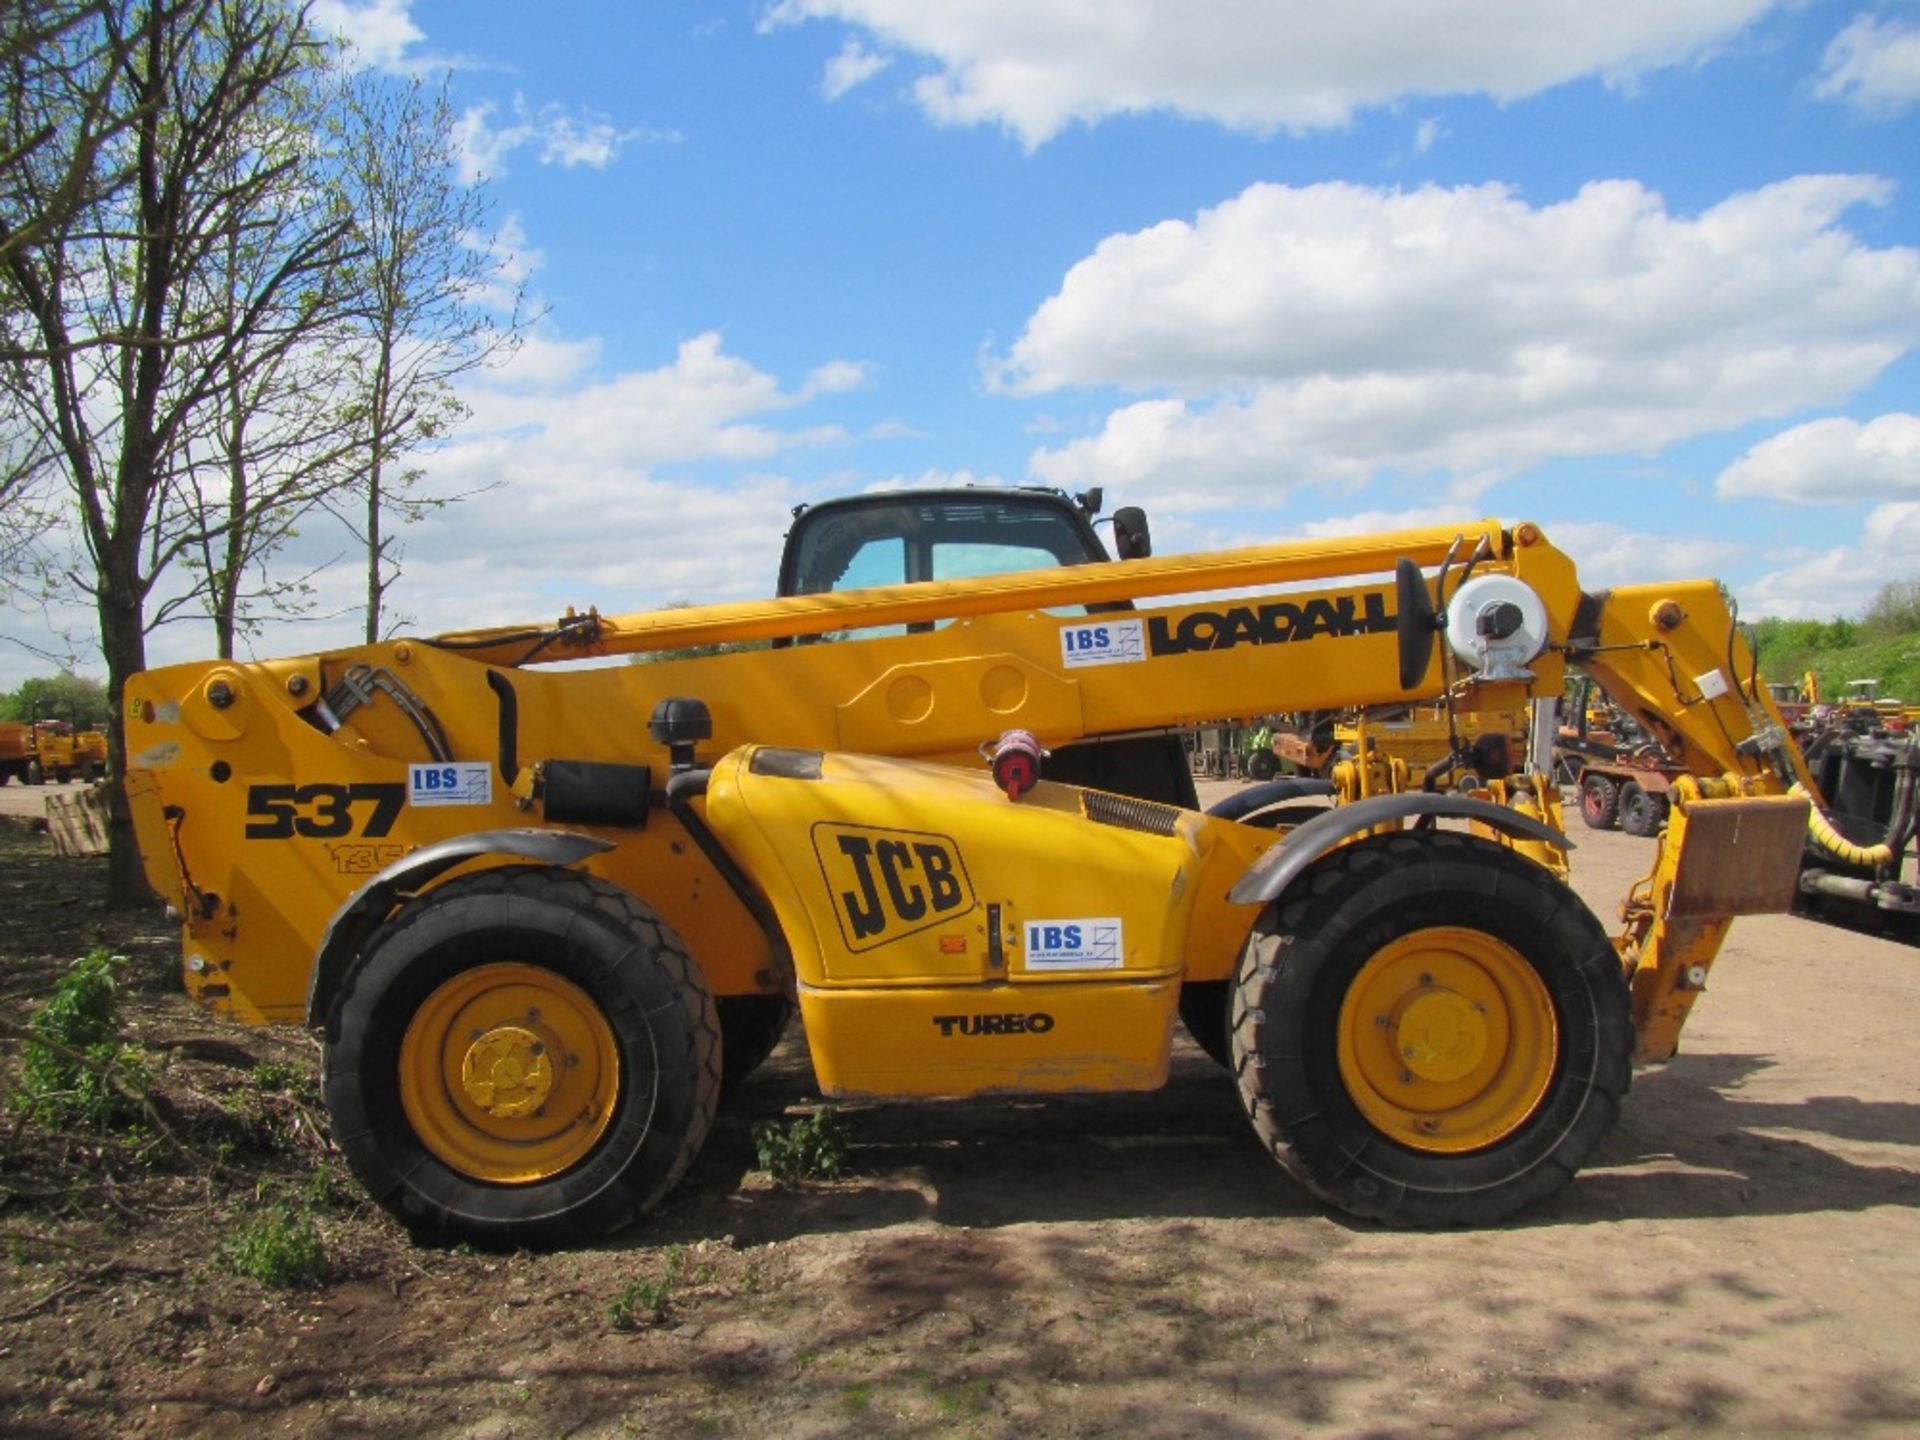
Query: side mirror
{"points": [[1132, 540], [1416, 624]]}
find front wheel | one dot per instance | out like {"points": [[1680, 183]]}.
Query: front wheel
{"points": [[1429, 1029], [527, 1056], [1263, 765]]}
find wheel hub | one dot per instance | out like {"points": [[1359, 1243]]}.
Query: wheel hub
{"points": [[506, 1072], [1448, 1039], [1441, 1036], [509, 1073]]}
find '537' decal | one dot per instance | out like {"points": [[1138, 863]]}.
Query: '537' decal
{"points": [[323, 811]]}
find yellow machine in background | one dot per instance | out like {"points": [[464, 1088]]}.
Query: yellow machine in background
{"points": [[540, 911], [46, 750]]}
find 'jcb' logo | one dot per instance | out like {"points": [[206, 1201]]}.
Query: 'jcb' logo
{"points": [[890, 883]]}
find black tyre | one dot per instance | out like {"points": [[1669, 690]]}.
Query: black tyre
{"points": [[1429, 1029], [1203, 1010], [750, 1029], [1641, 811], [526, 1057], [1599, 801], [1263, 765]]}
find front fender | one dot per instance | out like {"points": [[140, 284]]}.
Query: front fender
{"points": [[1269, 876], [355, 921]]}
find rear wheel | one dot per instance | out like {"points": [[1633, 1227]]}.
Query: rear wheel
{"points": [[526, 1057], [1429, 1029], [1641, 811], [1263, 765], [1599, 801]]}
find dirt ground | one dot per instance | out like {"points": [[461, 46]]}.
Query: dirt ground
{"points": [[1745, 1259]]}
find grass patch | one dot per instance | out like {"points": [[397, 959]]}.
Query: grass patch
{"points": [[73, 1068], [643, 1302], [964, 1399], [811, 1147], [279, 1247]]}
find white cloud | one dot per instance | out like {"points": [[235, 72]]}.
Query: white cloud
{"points": [[1425, 134], [1830, 462], [854, 65], [1036, 66], [377, 32], [1372, 522], [1609, 554], [511, 260], [1844, 579], [585, 491], [1873, 66], [1333, 332], [707, 404], [559, 138], [1605, 553], [544, 364], [836, 376]]}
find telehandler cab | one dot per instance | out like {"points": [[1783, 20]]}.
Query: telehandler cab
{"points": [[540, 911]]}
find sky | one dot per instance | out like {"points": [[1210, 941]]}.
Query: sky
{"points": [[1646, 273]]}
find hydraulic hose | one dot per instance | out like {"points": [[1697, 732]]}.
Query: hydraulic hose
{"points": [[1833, 842]]}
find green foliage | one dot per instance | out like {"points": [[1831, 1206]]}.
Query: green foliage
{"points": [[811, 1147], [73, 1068], [58, 697], [964, 1399], [279, 1247], [1894, 611], [1884, 644], [643, 1302], [274, 1077]]}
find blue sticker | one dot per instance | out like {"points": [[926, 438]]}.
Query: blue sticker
{"points": [[450, 782]]}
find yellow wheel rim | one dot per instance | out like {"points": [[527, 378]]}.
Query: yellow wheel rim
{"points": [[1448, 1040], [509, 1073]]}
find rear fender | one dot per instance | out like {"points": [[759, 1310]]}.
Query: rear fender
{"points": [[367, 908], [1269, 876]]}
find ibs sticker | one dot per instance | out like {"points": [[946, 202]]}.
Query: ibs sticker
{"points": [[1075, 944], [459, 782], [1101, 642]]}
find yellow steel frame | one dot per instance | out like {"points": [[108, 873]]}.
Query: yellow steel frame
{"points": [[225, 751]]}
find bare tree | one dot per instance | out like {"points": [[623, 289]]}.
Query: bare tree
{"points": [[57, 60], [125, 341], [271, 441], [434, 306]]}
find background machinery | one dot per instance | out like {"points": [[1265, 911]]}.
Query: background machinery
{"points": [[49, 749], [542, 912]]}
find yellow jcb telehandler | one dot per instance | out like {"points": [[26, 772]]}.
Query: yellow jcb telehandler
{"points": [[539, 910]]}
